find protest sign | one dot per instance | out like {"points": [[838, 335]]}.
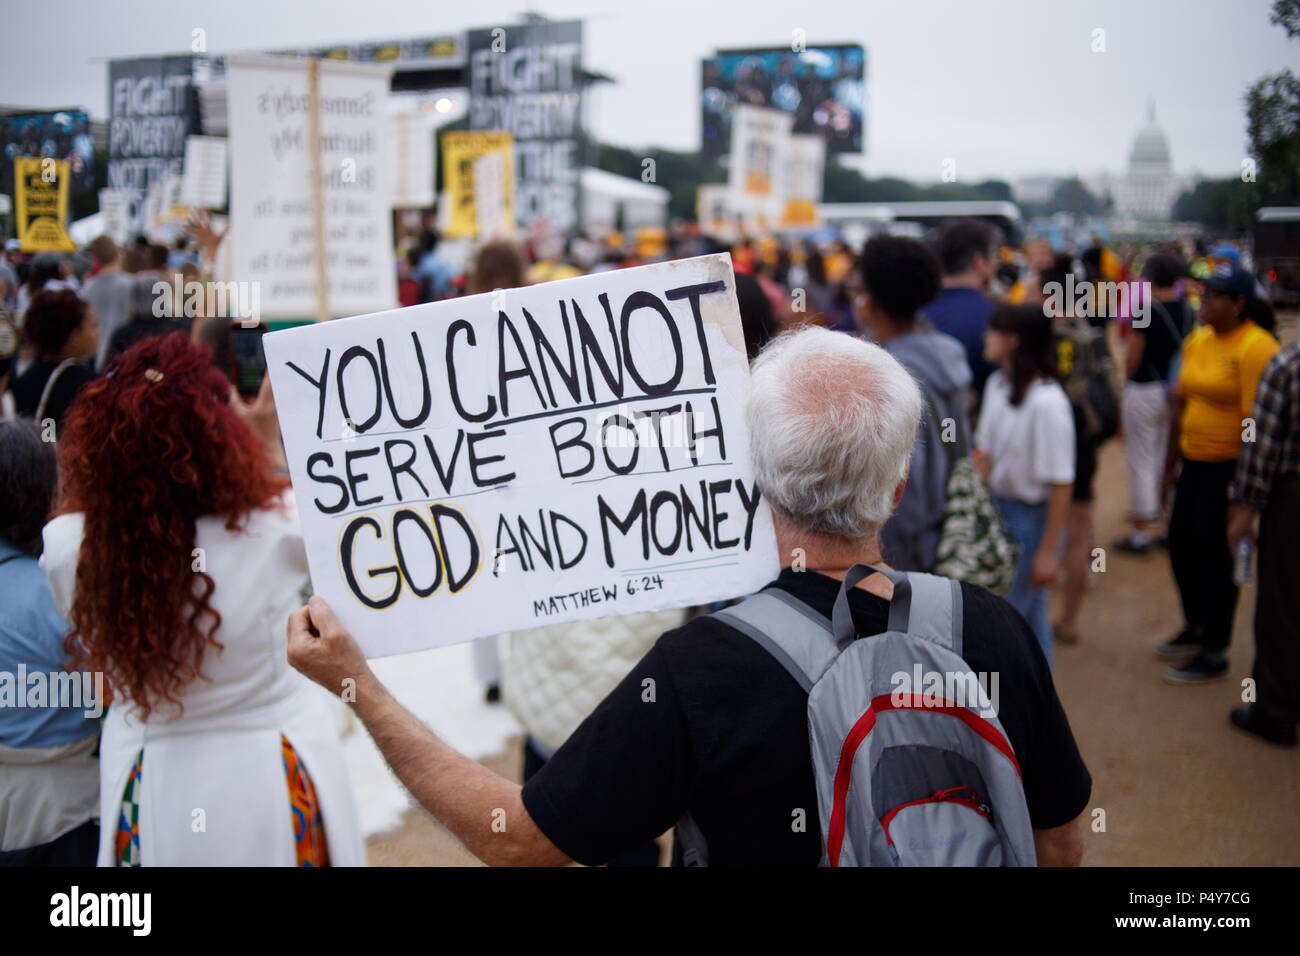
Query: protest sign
{"points": [[273, 207], [712, 207], [41, 198], [558, 452], [203, 184], [412, 138], [760, 147], [806, 166], [153, 107], [114, 210], [489, 195], [461, 152], [527, 80], [162, 207]]}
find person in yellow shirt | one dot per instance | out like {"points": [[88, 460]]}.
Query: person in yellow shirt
{"points": [[1220, 369]]}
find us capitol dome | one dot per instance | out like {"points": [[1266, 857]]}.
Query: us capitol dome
{"points": [[1149, 188]]}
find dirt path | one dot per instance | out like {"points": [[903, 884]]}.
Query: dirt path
{"points": [[1178, 785]]}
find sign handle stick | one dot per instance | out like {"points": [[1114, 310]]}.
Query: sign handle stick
{"points": [[317, 197]]}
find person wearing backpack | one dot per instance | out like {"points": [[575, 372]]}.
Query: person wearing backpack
{"points": [[899, 275], [714, 727], [1151, 367]]}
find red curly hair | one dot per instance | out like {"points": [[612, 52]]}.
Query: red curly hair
{"points": [[145, 451]]}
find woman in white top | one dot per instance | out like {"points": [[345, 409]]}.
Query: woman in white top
{"points": [[1025, 452], [177, 557]]}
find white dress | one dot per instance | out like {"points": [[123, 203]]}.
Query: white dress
{"points": [[212, 790]]}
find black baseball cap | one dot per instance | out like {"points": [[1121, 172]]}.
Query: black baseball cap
{"points": [[1231, 278]]}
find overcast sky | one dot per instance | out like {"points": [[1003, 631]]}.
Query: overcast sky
{"points": [[1006, 88]]}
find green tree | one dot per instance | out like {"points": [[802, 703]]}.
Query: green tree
{"points": [[1073, 196], [1286, 14], [1226, 206], [1273, 122]]}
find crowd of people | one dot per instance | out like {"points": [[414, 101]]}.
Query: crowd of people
{"points": [[902, 394]]}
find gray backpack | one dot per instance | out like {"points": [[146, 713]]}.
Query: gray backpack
{"points": [[912, 765]]}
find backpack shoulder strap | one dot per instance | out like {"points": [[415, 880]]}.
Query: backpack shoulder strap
{"points": [[924, 605], [1174, 330], [931, 609], [806, 644], [797, 636], [803, 643], [49, 387]]}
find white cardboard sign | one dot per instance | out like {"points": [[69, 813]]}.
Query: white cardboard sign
{"points": [[558, 452], [412, 143], [760, 149], [490, 195], [203, 182], [271, 200]]}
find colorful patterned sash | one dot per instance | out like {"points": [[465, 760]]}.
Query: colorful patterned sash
{"points": [[128, 821], [308, 824]]}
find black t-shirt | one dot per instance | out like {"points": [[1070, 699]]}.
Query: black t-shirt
{"points": [[27, 388], [137, 330], [708, 722], [1161, 342]]}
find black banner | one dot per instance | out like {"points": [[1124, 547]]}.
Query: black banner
{"points": [[153, 107], [528, 81]]}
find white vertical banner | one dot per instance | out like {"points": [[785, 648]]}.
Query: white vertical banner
{"points": [[411, 135], [760, 150], [806, 165], [203, 182], [490, 194], [271, 199], [115, 211]]}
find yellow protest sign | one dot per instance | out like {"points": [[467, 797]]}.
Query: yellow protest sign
{"points": [[41, 198], [486, 207]]}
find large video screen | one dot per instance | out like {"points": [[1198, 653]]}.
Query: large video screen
{"points": [[823, 88], [61, 135]]}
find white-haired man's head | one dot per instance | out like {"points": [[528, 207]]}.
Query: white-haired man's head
{"points": [[832, 419]]}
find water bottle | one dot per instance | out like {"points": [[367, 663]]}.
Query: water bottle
{"points": [[1241, 568]]}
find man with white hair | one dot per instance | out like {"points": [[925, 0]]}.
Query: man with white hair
{"points": [[723, 738]]}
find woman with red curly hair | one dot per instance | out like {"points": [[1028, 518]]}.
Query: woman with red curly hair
{"points": [[177, 556]]}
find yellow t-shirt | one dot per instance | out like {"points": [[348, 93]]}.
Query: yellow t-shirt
{"points": [[1217, 381]]}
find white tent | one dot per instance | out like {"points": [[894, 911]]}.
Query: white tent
{"points": [[614, 202]]}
